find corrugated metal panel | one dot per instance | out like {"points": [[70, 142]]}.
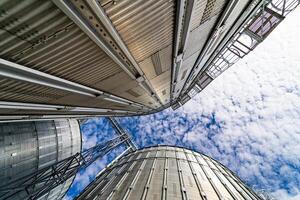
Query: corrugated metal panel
{"points": [[213, 7], [28, 146], [16, 91], [145, 26], [11, 90], [59, 48], [199, 6], [167, 173], [38, 35]]}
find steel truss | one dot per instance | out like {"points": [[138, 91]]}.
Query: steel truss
{"points": [[120, 131], [41, 182], [256, 28]]}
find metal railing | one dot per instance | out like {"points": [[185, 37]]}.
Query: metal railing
{"points": [[254, 31]]}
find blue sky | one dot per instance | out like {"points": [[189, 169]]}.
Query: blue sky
{"points": [[248, 119]]}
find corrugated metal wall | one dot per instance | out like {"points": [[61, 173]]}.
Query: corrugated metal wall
{"points": [[167, 173], [124, 48], [47, 40], [26, 147], [145, 26], [147, 29], [38, 35]]}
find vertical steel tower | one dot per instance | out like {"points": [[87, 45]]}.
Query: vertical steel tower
{"points": [[56, 145], [27, 147], [163, 173]]}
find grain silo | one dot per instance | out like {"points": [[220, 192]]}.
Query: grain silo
{"points": [[26, 147], [165, 172]]}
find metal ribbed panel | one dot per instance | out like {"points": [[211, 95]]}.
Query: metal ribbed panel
{"points": [[16, 91], [213, 7], [28, 146], [145, 26], [11, 90], [70, 57], [199, 7], [167, 173], [38, 35], [58, 46]]}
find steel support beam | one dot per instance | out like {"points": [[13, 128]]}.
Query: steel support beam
{"points": [[24, 118], [120, 131], [96, 7], [251, 8], [33, 106], [182, 31], [65, 7], [18, 72], [141, 78], [21, 73], [56, 108]]}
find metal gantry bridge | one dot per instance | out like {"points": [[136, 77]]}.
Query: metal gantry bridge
{"points": [[35, 185]]}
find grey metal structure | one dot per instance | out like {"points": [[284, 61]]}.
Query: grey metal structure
{"points": [[38, 184], [165, 172], [254, 25], [120, 131], [84, 58], [26, 147]]}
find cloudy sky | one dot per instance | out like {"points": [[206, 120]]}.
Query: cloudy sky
{"points": [[248, 119]]}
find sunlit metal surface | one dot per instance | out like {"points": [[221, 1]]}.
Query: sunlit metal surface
{"points": [[41, 183], [257, 26], [166, 172], [29, 146], [123, 57]]}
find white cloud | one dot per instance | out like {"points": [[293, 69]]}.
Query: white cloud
{"points": [[282, 194]]}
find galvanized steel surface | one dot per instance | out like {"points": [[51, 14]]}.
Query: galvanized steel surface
{"points": [[58, 46], [165, 172], [145, 26], [147, 29], [26, 147], [147, 53], [38, 35]]}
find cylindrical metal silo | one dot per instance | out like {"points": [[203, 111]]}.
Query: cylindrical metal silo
{"points": [[167, 173], [26, 147]]}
